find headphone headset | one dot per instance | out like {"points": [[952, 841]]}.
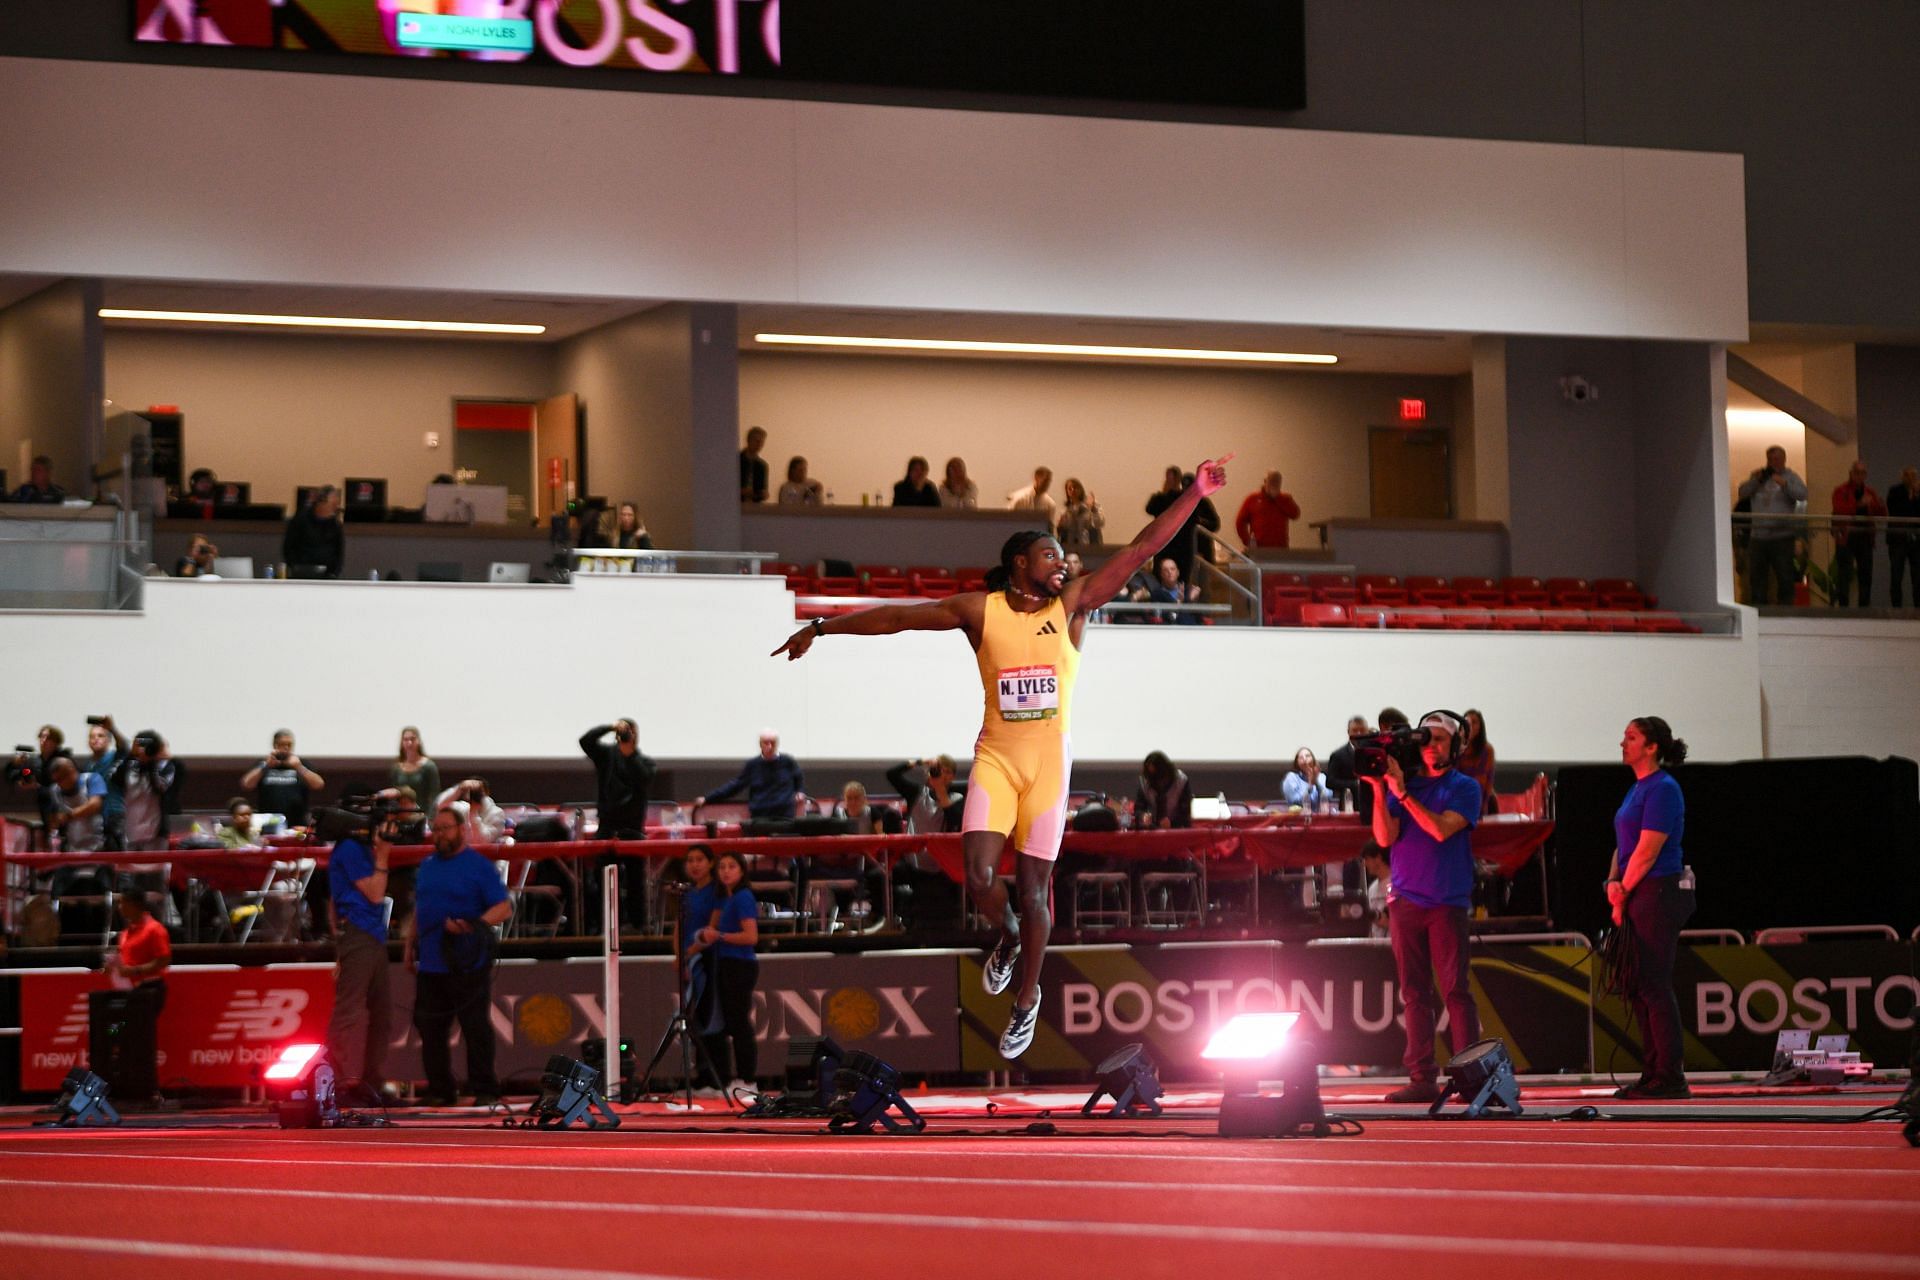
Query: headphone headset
{"points": [[1456, 740]]}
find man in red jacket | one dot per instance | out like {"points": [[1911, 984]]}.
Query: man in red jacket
{"points": [[1853, 539], [1263, 517]]}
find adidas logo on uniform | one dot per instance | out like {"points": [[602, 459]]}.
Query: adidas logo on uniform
{"points": [[1048, 630]]}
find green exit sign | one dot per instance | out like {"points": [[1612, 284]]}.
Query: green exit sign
{"points": [[438, 31]]}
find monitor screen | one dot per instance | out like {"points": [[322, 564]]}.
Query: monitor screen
{"points": [[233, 493], [366, 495]]}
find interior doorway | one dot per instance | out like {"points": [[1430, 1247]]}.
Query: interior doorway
{"points": [[1411, 474], [493, 445]]}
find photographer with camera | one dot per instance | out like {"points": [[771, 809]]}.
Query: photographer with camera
{"points": [[31, 768], [281, 783], [486, 821], [1423, 822], [458, 899], [74, 803], [147, 780], [624, 775], [357, 873]]}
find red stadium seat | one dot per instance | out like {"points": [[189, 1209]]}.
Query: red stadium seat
{"points": [[1381, 588], [1622, 593], [879, 571], [782, 568], [884, 585], [801, 584], [1525, 593], [1435, 592], [1484, 593], [1370, 615], [1467, 617], [1665, 624], [1324, 615], [1572, 593], [1564, 620], [1283, 611], [1517, 620], [1333, 588], [934, 586], [928, 571], [1414, 618], [837, 586]]}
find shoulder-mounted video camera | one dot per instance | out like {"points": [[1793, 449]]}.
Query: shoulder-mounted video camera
{"points": [[358, 817], [1403, 743]]}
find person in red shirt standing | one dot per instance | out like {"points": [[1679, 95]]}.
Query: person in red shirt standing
{"points": [[1263, 517], [1853, 539], [145, 949]]}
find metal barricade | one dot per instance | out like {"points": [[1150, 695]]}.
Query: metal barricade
{"points": [[1786, 935]]}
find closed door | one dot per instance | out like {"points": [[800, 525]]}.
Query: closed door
{"points": [[1411, 474]]}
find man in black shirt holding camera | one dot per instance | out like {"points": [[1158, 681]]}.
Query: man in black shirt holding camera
{"points": [[624, 775], [282, 781]]}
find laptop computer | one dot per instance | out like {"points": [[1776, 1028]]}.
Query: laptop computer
{"points": [[233, 566]]}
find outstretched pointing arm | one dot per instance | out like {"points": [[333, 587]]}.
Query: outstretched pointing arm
{"points": [[961, 612]]}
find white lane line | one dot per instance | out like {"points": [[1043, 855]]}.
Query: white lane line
{"points": [[1677, 1200], [1325, 1161], [1795, 1260], [284, 1258]]}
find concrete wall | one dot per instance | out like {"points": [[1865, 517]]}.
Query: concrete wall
{"points": [[1840, 687], [1114, 427], [1889, 407], [656, 394], [50, 384], [1680, 466], [718, 199], [282, 411], [688, 656]]}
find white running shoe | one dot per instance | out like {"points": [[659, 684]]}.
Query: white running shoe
{"points": [[997, 972], [1019, 1033]]}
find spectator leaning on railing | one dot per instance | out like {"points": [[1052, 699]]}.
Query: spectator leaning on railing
{"points": [[956, 491], [1772, 492], [916, 490], [773, 781], [74, 801], [1903, 541], [1853, 539]]}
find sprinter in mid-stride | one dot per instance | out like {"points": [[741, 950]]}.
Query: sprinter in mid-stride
{"points": [[1026, 630]]}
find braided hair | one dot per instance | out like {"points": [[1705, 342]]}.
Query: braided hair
{"points": [[1668, 750], [1000, 577]]}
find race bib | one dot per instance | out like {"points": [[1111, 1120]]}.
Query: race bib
{"points": [[1029, 693]]}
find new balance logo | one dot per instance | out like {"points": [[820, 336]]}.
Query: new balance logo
{"points": [[74, 1025], [1048, 630], [273, 1015]]}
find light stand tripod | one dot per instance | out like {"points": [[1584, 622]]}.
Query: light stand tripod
{"points": [[692, 1050]]}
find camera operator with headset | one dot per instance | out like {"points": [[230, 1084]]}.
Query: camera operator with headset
{"points": [[357, 874], [1423, 822], [458, 898]]}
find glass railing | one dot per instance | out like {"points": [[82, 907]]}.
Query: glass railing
{"points": [[609, 560], [1811, 561], [70, 557]]}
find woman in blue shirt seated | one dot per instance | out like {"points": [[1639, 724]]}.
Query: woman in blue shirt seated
{"points": [[1652, 899], [732, 935], [1305, 786]]}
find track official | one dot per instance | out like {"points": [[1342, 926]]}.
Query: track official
{"points": [[458, 898]]}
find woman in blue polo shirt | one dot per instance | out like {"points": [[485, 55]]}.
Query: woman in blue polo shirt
{"points": [[732, 937], [1650, 903]]}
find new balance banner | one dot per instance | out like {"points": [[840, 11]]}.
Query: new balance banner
{"points": [[220, 1026]]}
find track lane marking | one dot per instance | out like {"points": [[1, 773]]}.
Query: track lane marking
{"points": [[355, 1263], [1680, 1200], [1797, 1260]]}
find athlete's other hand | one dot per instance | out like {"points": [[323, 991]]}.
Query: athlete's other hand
{"points": [[1211, 477], [796, 646]]}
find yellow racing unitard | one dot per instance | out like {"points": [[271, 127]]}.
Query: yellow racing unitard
{"points": [[1024, 757]]}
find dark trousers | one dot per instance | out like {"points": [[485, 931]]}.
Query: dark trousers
{"points": [[1770, 565], [737, 978], [1903, 561], [1656, 912], [362, 1007], [440, 1000], [1851, 554], [1426, 941]]}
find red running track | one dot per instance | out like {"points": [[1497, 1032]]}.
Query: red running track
{"points": [[1407, 1197]]}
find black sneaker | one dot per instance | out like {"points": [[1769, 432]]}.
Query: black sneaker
{"points": [[1631, 1090], [997, 973], [1416, 1091], [1658, 1089], [1019, 1033]]}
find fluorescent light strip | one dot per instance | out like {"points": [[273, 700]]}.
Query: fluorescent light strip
{"points": [[1762, 418], [319, 322], [1041, 348]]}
